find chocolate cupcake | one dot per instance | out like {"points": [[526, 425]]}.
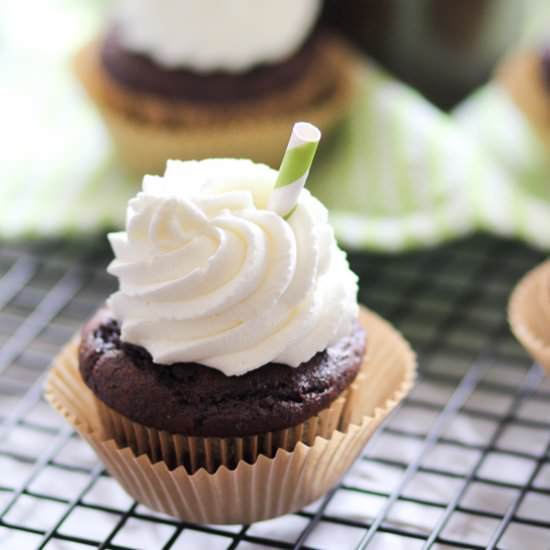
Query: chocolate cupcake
{"points": [[230, 321], [195, 401], [192, 80], [226, 381]]}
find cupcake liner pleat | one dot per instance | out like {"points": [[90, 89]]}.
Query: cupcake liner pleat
{"points": [[269, 486], [529, 314], [194, 452]]}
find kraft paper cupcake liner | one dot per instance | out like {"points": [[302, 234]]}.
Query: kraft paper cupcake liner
{"points": [[520, 75], [496, 125], [268, 487], [257, 129], [529, 314]]}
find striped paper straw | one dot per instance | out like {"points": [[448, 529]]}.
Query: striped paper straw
{"points": [[294, 168]]}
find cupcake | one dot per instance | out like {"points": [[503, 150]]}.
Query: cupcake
{"points": [[529, 314], [231, 363], [196, 79], [525, 76], [229, 321]]}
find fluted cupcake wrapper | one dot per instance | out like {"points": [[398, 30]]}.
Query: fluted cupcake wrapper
{"points": [[529, 314], [193, 452], [268, 486]]}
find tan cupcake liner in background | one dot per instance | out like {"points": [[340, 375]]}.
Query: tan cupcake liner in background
{"points": [[270, 486], [529, 313], [257, 129], [521, 76]]}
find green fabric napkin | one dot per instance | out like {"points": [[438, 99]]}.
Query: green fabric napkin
{"points": [[398, 173], [58, 177], [518, 205]]}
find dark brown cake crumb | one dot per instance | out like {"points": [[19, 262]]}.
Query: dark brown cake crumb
{"points": [[192, 399]]}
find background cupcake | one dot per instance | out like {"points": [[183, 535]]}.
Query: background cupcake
{"points": [[525, 76], [193, 80]]}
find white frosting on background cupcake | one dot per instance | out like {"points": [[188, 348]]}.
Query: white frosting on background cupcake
{"points": [[208, 275], [215, 35]]}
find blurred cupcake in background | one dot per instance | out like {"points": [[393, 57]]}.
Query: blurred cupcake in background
{"points": [[525, 76], [442, 48], [186, 79], [529, 314]]}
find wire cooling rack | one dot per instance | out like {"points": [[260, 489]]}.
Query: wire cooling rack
{"points": [[463, 463]]}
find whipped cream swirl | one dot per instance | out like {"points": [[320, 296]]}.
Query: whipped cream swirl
{"points": [[208, 275], [215, 35]]}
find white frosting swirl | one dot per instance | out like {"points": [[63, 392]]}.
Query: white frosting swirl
{"points": [[211, 35], [208, 275]]}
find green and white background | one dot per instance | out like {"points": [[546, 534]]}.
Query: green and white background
{"points": [[396, 174]]}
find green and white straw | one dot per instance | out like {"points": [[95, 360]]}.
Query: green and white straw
{"points": [[294, 168]]}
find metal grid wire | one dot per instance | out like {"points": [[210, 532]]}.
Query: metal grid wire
{"points": [[463, 463]]}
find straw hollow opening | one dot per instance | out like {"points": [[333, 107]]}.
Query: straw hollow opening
{"points": [[307, 132]]}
